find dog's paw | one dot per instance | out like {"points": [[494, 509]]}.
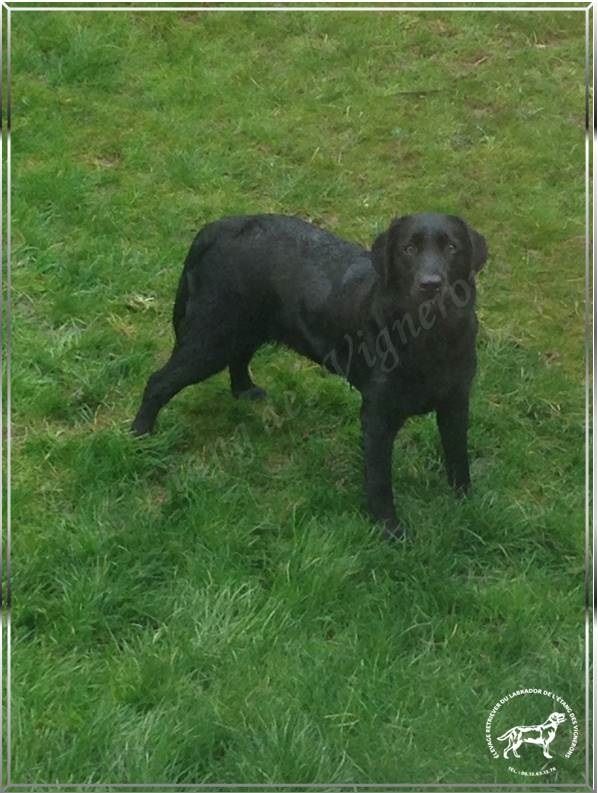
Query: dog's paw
{"points": [[140, 428], [394, 531], [255, 392], [462, 490]]}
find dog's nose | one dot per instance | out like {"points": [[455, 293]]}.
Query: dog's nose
{"points": [[430, 284]]}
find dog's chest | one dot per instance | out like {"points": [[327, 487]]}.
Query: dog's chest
{"points": [[417, 394], [427, 373]]}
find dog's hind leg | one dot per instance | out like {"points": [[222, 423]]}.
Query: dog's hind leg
{"points": [[510, 746], [190, 362], [516, 744], [241, 384]]}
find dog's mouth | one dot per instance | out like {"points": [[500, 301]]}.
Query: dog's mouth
{"points": [[427, 293], [449, 296], [429, 296], [430, 289]]}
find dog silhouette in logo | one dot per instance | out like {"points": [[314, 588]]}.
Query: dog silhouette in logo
{"points": [[540, 734]]}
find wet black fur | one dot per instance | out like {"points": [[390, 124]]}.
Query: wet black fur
{"points": [[397, 321]]}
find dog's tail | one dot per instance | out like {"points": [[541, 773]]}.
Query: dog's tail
{"points": [[188, 281], [507, 734]]}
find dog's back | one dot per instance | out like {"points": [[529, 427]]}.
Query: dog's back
{"points": [[269, 247], [271, 266]]}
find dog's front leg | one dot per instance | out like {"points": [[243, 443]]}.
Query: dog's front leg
{"points": [[379, 427], [452, 416]]}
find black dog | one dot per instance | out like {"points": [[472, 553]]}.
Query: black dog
{"points": [[397, 321]]}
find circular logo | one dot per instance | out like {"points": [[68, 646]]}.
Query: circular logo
{"points": [[528, 728]]}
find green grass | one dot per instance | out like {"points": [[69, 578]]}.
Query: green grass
{"points": [[212, 604]]}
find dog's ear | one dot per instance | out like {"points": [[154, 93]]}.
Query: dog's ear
{"points": [[379, 257], [479, 249], [382, 250]]}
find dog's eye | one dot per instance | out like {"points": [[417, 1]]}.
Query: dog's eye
{"points": [[410, 250], [451, 248]]}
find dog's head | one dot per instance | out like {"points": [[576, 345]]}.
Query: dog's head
{"points": [[556, 717], [422, 256]]}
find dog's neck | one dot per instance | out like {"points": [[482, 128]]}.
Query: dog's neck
{"points": [[411, 322]]}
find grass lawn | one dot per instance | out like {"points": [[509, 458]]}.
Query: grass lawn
{"points": [[212, 604]]}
